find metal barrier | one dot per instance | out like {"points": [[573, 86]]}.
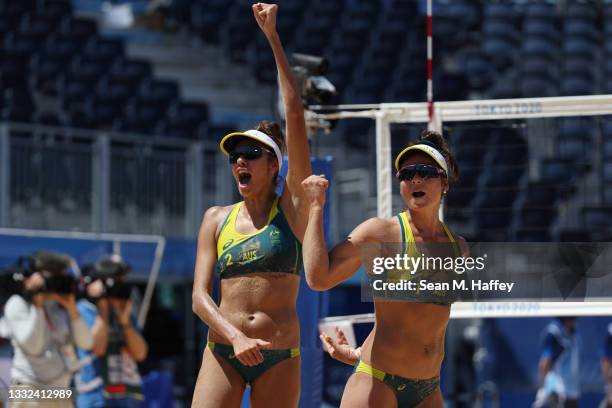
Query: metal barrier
{"points": [[89, 180]]}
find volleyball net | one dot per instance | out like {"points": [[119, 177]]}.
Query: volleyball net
{"points": [[532, 169]]}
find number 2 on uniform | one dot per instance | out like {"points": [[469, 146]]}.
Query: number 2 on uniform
{"points": [[228, 259]]}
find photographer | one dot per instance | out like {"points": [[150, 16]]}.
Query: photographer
{"points": [[109, 374], [44, 326]]}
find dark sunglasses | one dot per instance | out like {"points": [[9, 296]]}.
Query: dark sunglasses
{"points": [[249, 152], [424, 171]]}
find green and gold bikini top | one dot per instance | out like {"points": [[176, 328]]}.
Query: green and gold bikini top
{"points": [[409, 243], [274, 248]]}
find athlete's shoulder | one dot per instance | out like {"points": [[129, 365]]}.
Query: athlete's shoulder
{"points": [[376, 229]]}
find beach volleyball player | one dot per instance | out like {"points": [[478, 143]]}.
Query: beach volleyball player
{"points": [[399, 362], [256, 245]]}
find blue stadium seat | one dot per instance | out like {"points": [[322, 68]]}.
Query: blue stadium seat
{"points": [[161, 92], [24, 44], [539, 47], [104, 49], [80, 28], [580, 29], [493, 219], [578, 47], [577, 128], [451, 87], [582, 11], [37, 25], [536, 86], [541, 28], [475, 65], [85, 69], [73, 91], [238, 31], [574, 235], [206, 18], [597, 218], [500, 28], [539, 67], [575, 148], [131, 70], [186, 120], [102, 113], [571, 86], [14, 67], [499, 50], [141, 117], [543, 194], [500, 10], [535, 217], [556, 171], [499, 196], [533, 235], [579, 68], [56, 10], [541, 11]]}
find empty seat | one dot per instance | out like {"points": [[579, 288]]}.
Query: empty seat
{"points": [[161, 92], [597, 218], [540, 11], [186, 120], [141, 117], [556, 171], [538, 217], [571, 86]]}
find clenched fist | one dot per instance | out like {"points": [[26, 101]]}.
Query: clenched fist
{"points": [[265, 14], [314, 187]]}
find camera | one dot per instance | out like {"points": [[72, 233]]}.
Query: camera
{"points": [[12, 281], [109, 271]]}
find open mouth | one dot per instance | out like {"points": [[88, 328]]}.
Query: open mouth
{"points": [[418, 194], [244, 178]]}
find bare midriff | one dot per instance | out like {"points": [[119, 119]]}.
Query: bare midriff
{"points": [[262, 306], [407, 339]]}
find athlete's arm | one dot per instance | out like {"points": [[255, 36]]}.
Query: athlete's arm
{"points": [[323, 270], [297, 141], [246, 349]]}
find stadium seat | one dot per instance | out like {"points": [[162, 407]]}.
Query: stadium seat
{"points": [[540, 28], [141, 118], [535, 217], [575, 148], [500, 10], [586, 11], [572, 85], [597, 218], [580, 29], [578, 47], [533, 235], [557, 171], [540, 11], [161, 92], [540, 194], [539, 47], [186, 120]]}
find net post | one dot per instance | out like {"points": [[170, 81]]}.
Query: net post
{"points": [[383, 165]]}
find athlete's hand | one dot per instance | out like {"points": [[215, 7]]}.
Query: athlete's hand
{"points": [[265, 15], [247, 351], [314, 187], [339, 348]]}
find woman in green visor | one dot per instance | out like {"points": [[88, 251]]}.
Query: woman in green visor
{"points": [[255, 247], [398, 365]]}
